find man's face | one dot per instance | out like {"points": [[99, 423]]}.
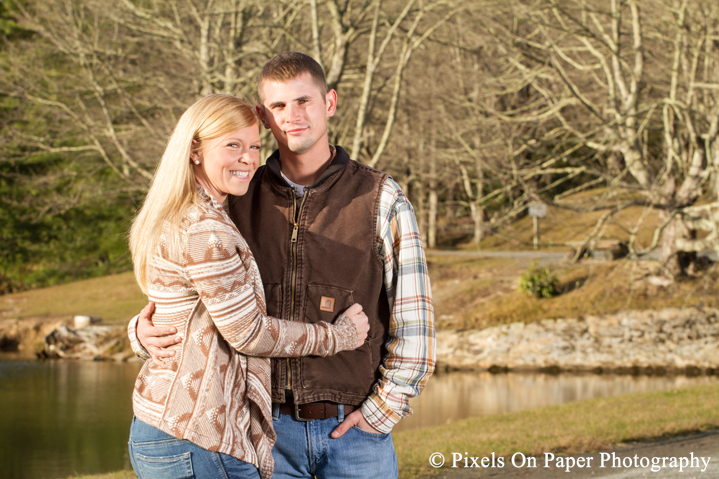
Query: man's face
{"points": [[296, 111]]}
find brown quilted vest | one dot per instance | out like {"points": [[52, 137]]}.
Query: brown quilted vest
{"points": [[316, 266]]}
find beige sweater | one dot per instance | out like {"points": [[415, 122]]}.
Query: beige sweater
{"points": [[215, 391]]}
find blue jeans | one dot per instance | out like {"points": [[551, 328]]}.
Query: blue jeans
{"points": [[154, 454], [306, 450]]}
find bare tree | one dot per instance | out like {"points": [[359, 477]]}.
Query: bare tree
{"points": [[129, 69], [475, 108], [392, 33], [595, 103], [91, 88]]}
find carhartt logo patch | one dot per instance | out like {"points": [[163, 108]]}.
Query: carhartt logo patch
{"points": [[327, 304]]}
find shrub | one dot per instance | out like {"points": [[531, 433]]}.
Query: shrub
{"points": [[539, 282]]}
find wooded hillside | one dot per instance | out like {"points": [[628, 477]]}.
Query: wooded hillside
{"points": [[477, 108]]}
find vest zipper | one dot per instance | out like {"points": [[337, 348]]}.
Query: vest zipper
{"points": [[295, 231]]}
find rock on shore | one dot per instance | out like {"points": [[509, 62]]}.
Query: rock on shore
{"points": [[94, 343], [55, 338], [642, 341], [27, 335]]}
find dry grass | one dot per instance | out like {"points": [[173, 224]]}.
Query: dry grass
{"points": [[582, 426], [468, 293], [114, 298], [562, 225], [477, 293]]}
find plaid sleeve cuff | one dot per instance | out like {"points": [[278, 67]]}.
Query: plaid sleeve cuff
{"points": [[378, 415], [137, 348]]}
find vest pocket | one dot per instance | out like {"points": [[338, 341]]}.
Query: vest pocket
{"points": [[273, 298], [348, 371], [326, 303]]}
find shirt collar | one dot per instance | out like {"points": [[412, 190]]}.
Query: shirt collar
{"points": [[340, 160], [207, 198]]}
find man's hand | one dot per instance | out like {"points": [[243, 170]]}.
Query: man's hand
{"points": [[353, 419], [155, 339]]}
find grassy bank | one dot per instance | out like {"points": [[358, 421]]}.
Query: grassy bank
{"points": [[115, 298], [474, 293], [581, 426], [468, 293]]}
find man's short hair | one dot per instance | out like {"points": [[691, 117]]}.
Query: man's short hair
{"points": [[288, 66]]}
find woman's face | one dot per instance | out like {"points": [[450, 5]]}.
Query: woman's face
{"points": [[228, 163]]}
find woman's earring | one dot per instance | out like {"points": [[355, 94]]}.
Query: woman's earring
{"points": [[197, 162]]}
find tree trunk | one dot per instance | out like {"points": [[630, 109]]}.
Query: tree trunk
{"points": [[422, 214], [478, 211], [675, 261], [432, 220], [432, 213], [478, 218]]}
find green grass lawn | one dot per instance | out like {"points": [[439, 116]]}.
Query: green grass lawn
{"points": [[582, 426], [115, 298]]}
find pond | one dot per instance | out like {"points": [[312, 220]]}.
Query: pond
{"points": [[453, 396], [60, 418]]}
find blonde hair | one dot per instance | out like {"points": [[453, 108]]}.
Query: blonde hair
{"points": [[173, 189]]}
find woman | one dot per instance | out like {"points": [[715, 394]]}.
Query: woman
{"points": [[207, 411]]}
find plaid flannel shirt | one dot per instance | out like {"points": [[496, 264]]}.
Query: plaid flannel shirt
{"points": [[411, 345]]}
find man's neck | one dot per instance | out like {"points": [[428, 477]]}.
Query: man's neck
{"points": [[307, 168]]}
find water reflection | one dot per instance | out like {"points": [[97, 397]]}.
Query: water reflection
{"points": [[458, 395], [59, 418]]}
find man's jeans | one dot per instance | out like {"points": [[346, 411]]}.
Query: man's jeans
{"points": [[306, 450], [154, 454]]}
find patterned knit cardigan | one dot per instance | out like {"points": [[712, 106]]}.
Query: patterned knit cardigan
{"points": [[215, 391]]}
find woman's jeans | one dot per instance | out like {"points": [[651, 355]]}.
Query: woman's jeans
{"points": [[157, 455]]}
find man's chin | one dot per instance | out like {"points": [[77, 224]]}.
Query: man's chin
{"points": [[300, 147]]}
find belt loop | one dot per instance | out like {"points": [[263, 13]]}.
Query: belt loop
{"points": [[340, 412], [276, 411]]}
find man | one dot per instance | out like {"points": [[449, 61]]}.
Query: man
{"points": [[326, 232]]}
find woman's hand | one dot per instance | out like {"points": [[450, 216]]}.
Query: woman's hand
{"points": [[360, 321]]}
